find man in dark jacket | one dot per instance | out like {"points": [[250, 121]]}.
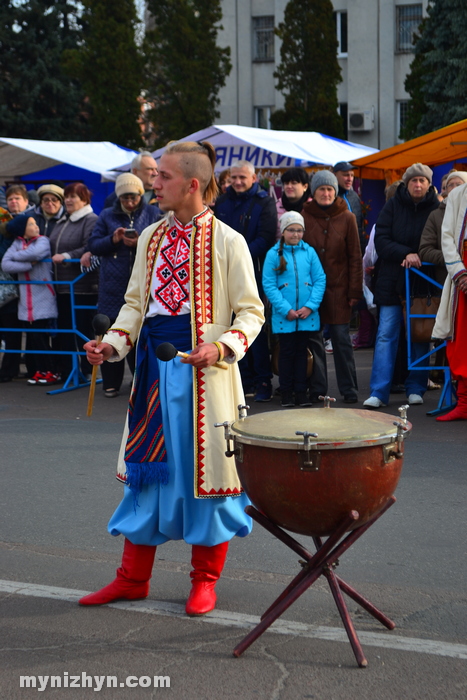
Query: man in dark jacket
{"points": [[398, 231], [345, 176], [114, 239], [248, 209]]}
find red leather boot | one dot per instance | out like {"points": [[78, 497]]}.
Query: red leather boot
{"points": [[132, 582], [460, 411], [207, 563]]}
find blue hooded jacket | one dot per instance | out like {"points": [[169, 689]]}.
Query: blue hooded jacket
{"points": [[301, 284]]}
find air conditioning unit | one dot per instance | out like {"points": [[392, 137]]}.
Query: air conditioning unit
{"points": [[361, 121]]}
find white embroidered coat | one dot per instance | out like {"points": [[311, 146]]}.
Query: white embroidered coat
{"points": [[452, 238], [222, 282]]}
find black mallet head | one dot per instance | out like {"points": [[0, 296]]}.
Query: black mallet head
{"points": [[166, 352], [100, 324]]}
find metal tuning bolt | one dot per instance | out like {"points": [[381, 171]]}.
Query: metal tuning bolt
{"points": [[306, 437], [401, 428], [403, 413], [242, 411], [311, 461], [228, 437], [306, 433], [327, 401]]}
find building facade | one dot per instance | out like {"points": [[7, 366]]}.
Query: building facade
{"points": [[375, 50]]}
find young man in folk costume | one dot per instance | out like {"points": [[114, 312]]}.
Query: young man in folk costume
{"points": [[191, 274]]}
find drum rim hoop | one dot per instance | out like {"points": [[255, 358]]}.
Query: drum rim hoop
{"points": [[315, 443]]}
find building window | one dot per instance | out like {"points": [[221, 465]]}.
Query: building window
{"points": [[341, 31], [408, 18], [402, 111], [263, 38], [263, 117]]}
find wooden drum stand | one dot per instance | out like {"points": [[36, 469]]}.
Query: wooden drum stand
{"points": [[321, 563]]}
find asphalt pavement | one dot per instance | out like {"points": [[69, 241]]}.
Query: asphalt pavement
{"points": [[57, 495]]}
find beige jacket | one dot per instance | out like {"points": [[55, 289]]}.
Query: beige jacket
{"points": [[222, 283], [452, 238]]}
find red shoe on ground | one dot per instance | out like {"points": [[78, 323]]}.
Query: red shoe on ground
{"points": [[49, 378], [35, 378], [207, 563], [132, 582], [460, 411]]}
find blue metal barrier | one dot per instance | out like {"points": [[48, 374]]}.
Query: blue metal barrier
{"points": [[76, 379], [448, 395]]}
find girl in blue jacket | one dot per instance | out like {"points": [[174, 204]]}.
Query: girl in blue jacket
{"points": [[294, 282]]}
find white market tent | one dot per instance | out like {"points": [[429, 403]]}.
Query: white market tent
{"points": [[19, 157], [267, 148]]}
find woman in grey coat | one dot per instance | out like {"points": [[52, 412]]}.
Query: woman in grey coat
{"points": [[69, 240]]}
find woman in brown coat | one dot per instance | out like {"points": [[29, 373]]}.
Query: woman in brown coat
{"points": [[331, 229], [430, 243]]}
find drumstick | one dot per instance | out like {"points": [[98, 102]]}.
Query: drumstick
{"points": [[167, 351], [100, 324]]}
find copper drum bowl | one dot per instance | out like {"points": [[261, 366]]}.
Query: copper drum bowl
{"points": [[340, 460]]}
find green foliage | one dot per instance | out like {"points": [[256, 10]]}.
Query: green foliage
{"points": [[109, 67], [437, 82], [37, 100], [185, 67], [416, 108], [309, 72]]}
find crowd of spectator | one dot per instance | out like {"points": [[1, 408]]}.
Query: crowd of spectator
{"points": [[315, 269]]}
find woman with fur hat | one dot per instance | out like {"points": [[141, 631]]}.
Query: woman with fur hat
{"points": [[331, 229], [294, 282], [50, 209], [114, 240]]}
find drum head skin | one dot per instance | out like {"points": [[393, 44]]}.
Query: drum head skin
{"points": [[334, 426]]}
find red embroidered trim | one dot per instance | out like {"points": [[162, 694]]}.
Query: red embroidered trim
{"points": [[221, 492], [122, 333], [202, 271], [201, 285], [240, 335], [156, 240], [171, 278]]}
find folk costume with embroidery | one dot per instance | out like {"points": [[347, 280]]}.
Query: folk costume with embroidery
{"points": [[453, 237], [451, 319], [186, 284]]}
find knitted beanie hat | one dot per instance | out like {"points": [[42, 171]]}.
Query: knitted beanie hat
{"points": [[289, 218], [417, 170], [51, 189], [461, 174], [324, 177], [127, 183], [17, 225]]}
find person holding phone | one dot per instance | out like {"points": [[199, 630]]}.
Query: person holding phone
{"points": [[114, 239]]}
